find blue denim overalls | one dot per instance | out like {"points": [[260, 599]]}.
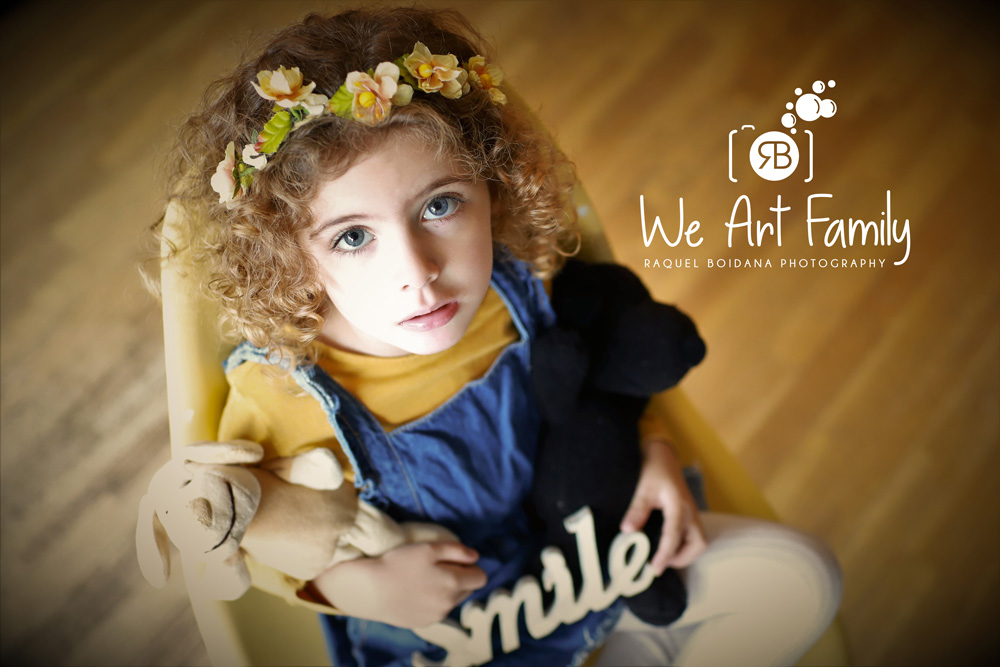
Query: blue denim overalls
{"points": [[467, 466]]}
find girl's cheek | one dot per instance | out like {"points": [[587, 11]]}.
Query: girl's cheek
{"points": [[334, 278], [351, 275]]}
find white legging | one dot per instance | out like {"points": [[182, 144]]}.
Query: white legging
{"points": [[761, 594]]}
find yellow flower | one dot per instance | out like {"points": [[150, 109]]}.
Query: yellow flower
{"points": [[487, 77], [435, 73], [375, 96], [284, 86], [223, 180]]}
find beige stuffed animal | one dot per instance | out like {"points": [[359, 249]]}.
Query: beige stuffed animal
{"points": [[293, 514]]}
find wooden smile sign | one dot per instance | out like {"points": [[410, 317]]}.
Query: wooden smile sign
{"points": [[470, 643]]}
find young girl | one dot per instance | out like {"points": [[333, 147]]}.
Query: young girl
{"points": [[377, 232]]}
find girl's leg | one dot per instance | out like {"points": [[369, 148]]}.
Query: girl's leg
{"points": [[761, 594]]}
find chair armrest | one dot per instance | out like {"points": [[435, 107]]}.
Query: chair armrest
{"points": [[193, 347]]}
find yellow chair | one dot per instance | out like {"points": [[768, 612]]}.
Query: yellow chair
{"points": [[259, 629]]}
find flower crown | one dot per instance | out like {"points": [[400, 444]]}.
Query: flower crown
{"points": [[367, 97]]}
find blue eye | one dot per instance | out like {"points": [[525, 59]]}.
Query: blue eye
{"points": [[353, 240], [441, 207]]}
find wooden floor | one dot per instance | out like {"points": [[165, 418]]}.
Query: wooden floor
{"points": [[865, 401]]}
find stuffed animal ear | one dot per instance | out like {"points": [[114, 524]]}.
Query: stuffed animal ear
{"points": [[317, 469], [227, 580], [648, 350], [152, 544], [583, 293], [229, 452]]}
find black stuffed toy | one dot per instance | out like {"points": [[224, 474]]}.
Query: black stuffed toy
{"points": [[612, 348]]}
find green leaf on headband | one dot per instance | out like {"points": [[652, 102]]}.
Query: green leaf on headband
{"points": [[275, 132], [341, 102], [405, 73], [246, 178]]}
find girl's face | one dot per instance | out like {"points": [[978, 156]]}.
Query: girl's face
{"points": [[404, 249]]}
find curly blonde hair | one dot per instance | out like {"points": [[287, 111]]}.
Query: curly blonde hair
{"points": [[267, 285]]}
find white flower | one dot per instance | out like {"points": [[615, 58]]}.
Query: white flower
{"points": [[223, 180], [314, 103], [253, 158]]}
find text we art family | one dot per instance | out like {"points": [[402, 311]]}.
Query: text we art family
{"points": [[821, 222]]}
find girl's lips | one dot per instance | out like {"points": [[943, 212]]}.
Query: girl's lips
{"points": [[435, 319]]}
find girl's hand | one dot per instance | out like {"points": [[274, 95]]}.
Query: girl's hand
{"points": [[411, 586], [662, 486]]}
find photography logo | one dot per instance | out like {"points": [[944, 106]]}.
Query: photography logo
{"points": [[774, 155]]}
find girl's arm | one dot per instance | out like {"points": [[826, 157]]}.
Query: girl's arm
{"points": [[411, 586], [662, 486]]}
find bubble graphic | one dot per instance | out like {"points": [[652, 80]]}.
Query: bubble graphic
{"points": [[807, 107]]}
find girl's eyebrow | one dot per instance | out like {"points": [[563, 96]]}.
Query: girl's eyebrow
{"points": [[334, 222], [352, 217]]}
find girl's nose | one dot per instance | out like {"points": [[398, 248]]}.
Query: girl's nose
{"points": [[417, 267]]}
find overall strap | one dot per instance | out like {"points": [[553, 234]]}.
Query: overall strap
{"points": [[523, 293]]}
